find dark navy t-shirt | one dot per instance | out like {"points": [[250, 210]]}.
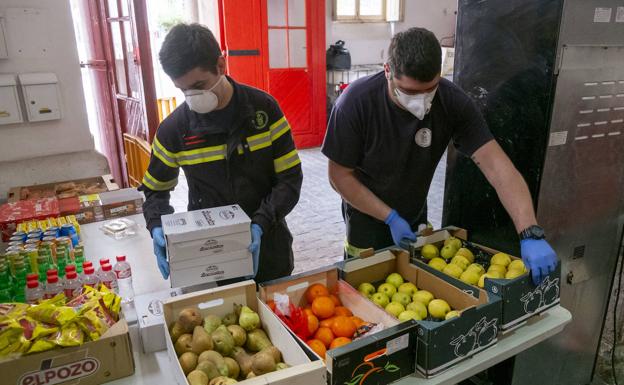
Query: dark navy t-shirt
{"points": [[368, 132]]}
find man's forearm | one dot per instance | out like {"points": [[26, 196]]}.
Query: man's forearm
{"points": [[514, 194], [355, 193]]}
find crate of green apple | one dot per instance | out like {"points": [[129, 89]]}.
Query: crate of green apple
{"points": [[448, 253], [452, 325], [404, 301], [224, 336]]}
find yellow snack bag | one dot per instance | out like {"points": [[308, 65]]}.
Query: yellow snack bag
{"points": [[57, 315], [10, 331], [19, 346], [41, 345], [70, 335], [12, 310]]}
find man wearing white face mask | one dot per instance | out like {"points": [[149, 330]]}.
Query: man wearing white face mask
{"points": [[235, 147], [385, 137]]}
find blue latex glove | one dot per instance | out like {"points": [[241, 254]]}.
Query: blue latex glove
{"points": [[399, 228], [539, 257], [254, 247], [160, 251]]}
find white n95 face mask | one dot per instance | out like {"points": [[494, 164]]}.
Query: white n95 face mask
{"points": [[419, 104], [202, 101]]}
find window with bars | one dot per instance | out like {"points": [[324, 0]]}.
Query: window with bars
{"points": [[374, 11]]}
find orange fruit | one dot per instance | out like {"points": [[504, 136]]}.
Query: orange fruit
{"points": [[357, 321], [336, 300], [316, 290], [327, 322], [341, 310], [324, 335], [343, 327], [271, 304], [318, 347], [313, 323], [339, 342], [323, 307], [308, 311]]}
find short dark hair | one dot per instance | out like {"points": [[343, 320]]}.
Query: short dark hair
{"points": [[187, 46], [415, 53]]}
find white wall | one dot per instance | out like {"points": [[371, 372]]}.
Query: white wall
{"points": [[65, 140], [71, 133], [368, 42]]}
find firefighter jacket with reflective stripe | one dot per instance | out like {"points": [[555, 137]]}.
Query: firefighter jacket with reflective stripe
{"points": [[253, 163]]}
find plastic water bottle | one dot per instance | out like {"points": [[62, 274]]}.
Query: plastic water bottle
{"points": [[107, 278], [123, 272], [90, 279], [34, 292], [53, 287], [72, 285]]}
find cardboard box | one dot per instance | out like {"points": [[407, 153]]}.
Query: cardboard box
{"points": [[521, 298], [151, 319], [93, 363], [441, 344], [64, 189], [208, 245], [13, 213], [220, 301], [121, 203], [86, 208], [391, 352]]}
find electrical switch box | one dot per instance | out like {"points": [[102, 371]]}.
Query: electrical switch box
{"points": [[41, 96], [10, 111]]}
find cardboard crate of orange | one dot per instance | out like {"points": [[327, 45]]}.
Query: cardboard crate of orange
{"points": [[444, 338], [361, 344]]}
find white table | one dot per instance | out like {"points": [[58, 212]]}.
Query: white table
{"points": [[153, 368], [138, 250]]}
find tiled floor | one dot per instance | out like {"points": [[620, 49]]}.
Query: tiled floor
{"points": [[316, 222]]}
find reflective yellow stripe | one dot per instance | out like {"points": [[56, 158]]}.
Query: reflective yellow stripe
{"points": [[156, 185], [287, 161], [259, 141], [279, 128], [165, 156], [352, 250], [201, 155]]}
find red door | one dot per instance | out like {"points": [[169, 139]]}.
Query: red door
{"points": [[291, 57]]}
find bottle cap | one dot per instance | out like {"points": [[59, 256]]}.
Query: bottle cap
{"points": [[121, 258], [107, 267], [32, 284], [104, 261], [32, 277], [52, 279]]}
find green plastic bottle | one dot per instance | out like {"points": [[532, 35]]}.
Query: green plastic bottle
{"points": [[61, 260], [19, 284], [5, 284]]}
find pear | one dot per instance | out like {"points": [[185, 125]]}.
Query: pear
{"points": [[249, 319], [238, 333], [222, 340], [189, 318], [230, 319], [211, 323], [201, 340]]}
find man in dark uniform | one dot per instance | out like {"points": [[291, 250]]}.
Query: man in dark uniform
{"points": [[234, 145], [386, 134]]}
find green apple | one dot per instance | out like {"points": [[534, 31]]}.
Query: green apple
{"points": [[401, 298], [395, 279], [513, 273], [408, 288], [387, 288], [460, 261], [452, 314], [448, 252], [453, 270], [366, 289], [492, 274], [470, 277], [477, 268], [423, 296], [466, 253], [419, 308], [408, 315], [499, 268], [455, 242], [438, 308], [380, 299], [429, 251], [438, 263], [395, 308], [501, 259], [517, 264]]}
